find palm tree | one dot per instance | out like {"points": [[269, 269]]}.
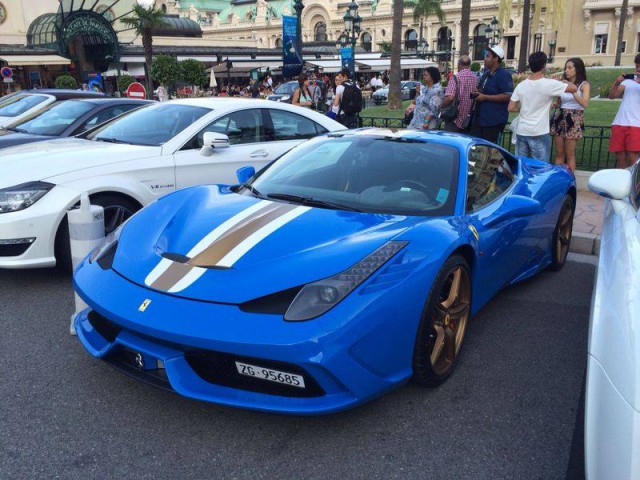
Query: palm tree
{"points": [[395, 94], [623, 19], [464, 27], [423, 8], [144, 21], [524, 37]]}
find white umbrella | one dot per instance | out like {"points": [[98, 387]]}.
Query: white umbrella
{"points": [[212, 80]]}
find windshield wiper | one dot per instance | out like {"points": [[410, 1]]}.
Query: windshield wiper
{"points": [[252, 189], [14, 129], [110, 140], [311, 201]]}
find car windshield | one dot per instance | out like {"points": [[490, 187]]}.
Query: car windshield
{"points": [[54, 119], [287, 88], [377, 173], [19, 104], [153, 125]]}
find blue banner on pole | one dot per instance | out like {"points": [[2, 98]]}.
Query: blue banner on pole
{"points": [[291, 56], [346, 59]]}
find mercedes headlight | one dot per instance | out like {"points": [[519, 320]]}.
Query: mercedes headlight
{"points": [[318, 297], [22, 196]]}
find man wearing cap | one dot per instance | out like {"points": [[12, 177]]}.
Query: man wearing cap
{"points": [[492, 97]]}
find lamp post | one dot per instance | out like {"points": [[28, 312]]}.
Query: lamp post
{"points": [[493, 32], [352, 22], [229, 65], [298, 6], [423, 48]]}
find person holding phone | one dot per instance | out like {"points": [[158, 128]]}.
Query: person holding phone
{"points": [[567, 123], [625, 129]]}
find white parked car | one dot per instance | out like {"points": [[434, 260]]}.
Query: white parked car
{"points": [[612, 409], [134, 159]]}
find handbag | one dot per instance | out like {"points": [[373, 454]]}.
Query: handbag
{"points": [[451, 111]]}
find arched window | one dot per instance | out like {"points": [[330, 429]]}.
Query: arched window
{"points": [[480, 42], [366, 41], [444, 39], [320, 32], [278, 43], [163, 8], [410, 40]]}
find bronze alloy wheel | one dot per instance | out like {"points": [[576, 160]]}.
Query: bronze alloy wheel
{"points": [[443, 323], [562, 234], [449, 321]]}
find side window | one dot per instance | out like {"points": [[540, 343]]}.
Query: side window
{"points": [[104, 115], [244, 126], [635, 187], [489, 176], [291, 126]]}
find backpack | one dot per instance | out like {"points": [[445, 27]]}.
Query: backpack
{"points": [[451, 111], [351, 101]]}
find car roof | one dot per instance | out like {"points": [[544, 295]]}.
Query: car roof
{"points": [[115, 101], [446, 138], [222, 102], [63, 93]]}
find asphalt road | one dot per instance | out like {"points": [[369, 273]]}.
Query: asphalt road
{"points": [[507, 412]]}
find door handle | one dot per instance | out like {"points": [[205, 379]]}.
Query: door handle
{"points": [[259, 153]]}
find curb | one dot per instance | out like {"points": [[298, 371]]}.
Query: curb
{"points": [[585, 243]]}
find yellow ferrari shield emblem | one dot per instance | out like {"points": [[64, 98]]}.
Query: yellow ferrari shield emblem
{"points": [[474, 231], [143, 306]]}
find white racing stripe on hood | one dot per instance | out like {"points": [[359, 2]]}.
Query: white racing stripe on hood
{"points": [[234, 255], [220, 230]]}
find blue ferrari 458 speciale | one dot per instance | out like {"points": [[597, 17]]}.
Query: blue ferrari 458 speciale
{"points": [[342, 270]]}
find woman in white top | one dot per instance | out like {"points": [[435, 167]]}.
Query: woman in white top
{"points": [[302, 96], [567, 124]]}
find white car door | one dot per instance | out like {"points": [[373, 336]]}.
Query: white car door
{"points": [[256, 136]]}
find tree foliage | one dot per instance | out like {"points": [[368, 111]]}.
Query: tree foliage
{"points": [[67, 82], [166, 69], [193, 72], [424, 8], [124, 81]]}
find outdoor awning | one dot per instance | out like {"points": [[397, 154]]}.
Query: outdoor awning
{"points": [[135, 70], [327, 66], [27, 60], [239, 67], [385, 63]]}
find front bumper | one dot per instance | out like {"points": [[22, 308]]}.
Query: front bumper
{"points": [[39, 221], [341, 364]]}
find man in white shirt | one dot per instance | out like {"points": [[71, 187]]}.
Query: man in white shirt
{"points": [[625, 130], [532, 98]]}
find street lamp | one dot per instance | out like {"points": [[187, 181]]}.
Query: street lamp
{"points": [[229, 65], [352, 22], [298, 6], [423, 47], [493, 31]]}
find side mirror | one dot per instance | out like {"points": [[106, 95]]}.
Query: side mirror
{"points": [[513, 207], [212, 141], [244, 174], [612, 183]]}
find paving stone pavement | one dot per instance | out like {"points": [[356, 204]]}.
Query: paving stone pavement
{"points": [[587, 223]]}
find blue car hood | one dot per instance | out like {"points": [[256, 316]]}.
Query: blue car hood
{"points": [[205, 244]]}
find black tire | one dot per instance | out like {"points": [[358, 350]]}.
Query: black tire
{"points": [[117, 209], [561, 240], [442, 327]]}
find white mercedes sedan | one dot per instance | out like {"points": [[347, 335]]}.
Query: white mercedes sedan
{"points": [[134, 159], [612, 408]]}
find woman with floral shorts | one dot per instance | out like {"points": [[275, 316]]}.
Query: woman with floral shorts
{"points": [[567, 124]]}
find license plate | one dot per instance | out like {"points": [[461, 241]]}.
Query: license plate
{"points": [[270, 375]]}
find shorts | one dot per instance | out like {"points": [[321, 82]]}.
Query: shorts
{"points": [[568, 124], [624, 139]]}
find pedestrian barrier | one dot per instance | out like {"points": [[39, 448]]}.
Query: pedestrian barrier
{"points": [[592, 152], [86, 231]]}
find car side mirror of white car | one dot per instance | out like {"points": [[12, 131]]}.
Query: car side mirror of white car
{"points": [[611, 183], [212, 141]]}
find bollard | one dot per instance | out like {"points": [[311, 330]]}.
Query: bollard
{"points": [[86, 231]]}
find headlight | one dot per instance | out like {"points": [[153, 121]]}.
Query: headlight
{"points": [[284, 98], [318, 297], [108, 246], [22, 196]]}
